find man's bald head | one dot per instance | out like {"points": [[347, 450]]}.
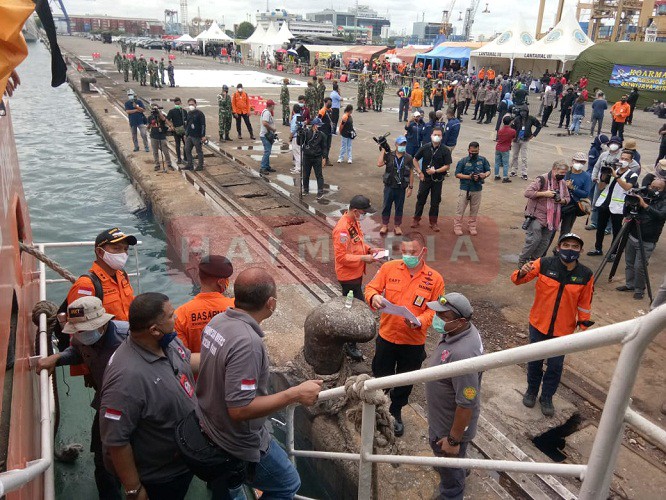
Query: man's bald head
{"points": [[253, 288]]}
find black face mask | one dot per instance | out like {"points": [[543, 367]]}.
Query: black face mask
{"points": [[559, 177], [474, 156]]}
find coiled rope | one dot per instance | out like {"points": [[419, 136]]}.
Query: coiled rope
{"points": [[48, 261]]}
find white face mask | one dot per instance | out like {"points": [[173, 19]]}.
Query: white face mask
{"points": [[191, 108], [578, 166], [115, 261], [436, 139], [89, 337], [614, 147], [362, 217], [623, 163]]}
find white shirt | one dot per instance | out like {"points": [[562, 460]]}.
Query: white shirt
{"points": [[267, 117]]}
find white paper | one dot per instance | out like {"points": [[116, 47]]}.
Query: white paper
{"points": [[390, 308], [382, 254]]}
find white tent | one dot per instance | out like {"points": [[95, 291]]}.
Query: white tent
{"points": [[185, 38], [563, 43], [272, 36], [285, 34], [214, 34], [512, 44]]}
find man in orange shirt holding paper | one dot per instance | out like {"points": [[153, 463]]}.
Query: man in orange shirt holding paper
{"points": [[400, 346], [352, 254]]}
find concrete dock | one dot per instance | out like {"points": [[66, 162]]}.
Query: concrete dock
{"points": [[477, 266]]}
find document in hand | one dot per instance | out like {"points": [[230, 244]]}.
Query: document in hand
{"points": [[390, 308]]}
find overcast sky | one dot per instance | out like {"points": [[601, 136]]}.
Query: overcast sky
{"points": [[501, 16]]}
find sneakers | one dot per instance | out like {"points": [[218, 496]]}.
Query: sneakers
{"points": [[497, 177], [524, 177], [624, 288], [607, 231], [512, 174], [147, 149], [295, 170], [547, 407], [349, 161], [457, 231], [506, 180], [263, 171], [595, 253], [352, 350], [591, 227], [529, 399], [339, 160], [135, 149], [270, 169], [473, 231], [157, 168], [638, 296], [398, 426], [320, 195]]}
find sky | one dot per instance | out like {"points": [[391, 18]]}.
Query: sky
{"points": [[501, 16]]}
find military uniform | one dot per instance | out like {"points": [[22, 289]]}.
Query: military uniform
{"points": [[427, 90], [161, 68], [284, 100], [380, 87], [142, 66], [126, 68], [321, 93], [152, 73], [360, 97], [118, 61], [370, 94], [225, 112], [134, 64], [310, 97]]}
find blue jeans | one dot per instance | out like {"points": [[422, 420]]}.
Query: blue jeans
{"points": [[345, 148], [275, 475], [575, 124], [535, 373], [393, 196], [266, 158], [502, 160]]}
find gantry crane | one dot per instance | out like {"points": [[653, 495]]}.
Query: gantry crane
{"points": [[446, 28]]}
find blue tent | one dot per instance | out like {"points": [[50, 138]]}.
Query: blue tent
{"points": [[436, 57]]}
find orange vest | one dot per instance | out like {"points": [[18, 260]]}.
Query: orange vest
{"points": [[620, 111], [193, 316], [491, 74], [482, 74], [398, 286], [348, 246]]}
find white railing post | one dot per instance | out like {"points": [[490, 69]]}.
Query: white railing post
{"points": [[290, 433], [367, 442], [608, 440]]}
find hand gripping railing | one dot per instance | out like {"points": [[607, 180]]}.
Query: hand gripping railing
{"points": [[635, 335]]}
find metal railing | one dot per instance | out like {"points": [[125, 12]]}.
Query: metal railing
{"points": [[635, 335], [15, 479]]}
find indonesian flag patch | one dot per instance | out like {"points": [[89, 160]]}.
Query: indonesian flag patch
{"points": [[85, 291], [112, 414], [248, 384]]}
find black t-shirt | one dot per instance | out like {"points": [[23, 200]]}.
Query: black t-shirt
{"points": [[313, 146], [435, 157], [158, 128], [177, 117], [396, 171]]}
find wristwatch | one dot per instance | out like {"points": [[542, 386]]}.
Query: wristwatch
{"points": [[135, 492], [451, 441], [411, 187]]}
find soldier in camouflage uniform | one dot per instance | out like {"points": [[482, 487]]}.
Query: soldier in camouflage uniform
{"points": [[311, 98], [284, 100], [225, 113], [134, 64], [321, 93], [142, 66], [126, 67], [161, 68], [370, 93], [427, 91], [380, 87], [118, 61], [360, 97], [152, 73]]}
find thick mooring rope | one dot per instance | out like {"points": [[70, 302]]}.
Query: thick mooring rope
{"points": [[48, 261]]}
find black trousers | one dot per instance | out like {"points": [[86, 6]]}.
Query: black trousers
{"points": [[108, 485], [467, 101], [547, 110], [489, 110], [310, 163], [393, 358], [565, 114], [335, 116], [173, 489], [194, 142], [477, 106], [246, 119], [617, 128], [353, 286], [460, 107], [327, 146], [434, 189], [179, 140], [438, 102], [603, 214]]}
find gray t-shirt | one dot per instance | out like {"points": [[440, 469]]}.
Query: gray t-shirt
{"points": [[144, 397], [233, 371], [266, 116], [445, 395]]}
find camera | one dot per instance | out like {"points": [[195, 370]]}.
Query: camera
{"points": [[528, 221], [632, 198], [476, 176], [556, 198], [382, 142], [606, 170]]}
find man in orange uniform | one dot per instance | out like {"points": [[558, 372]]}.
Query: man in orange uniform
{"points": [[193, 316], [491, 75], [562, 302], [240, 107], [107, 271], [620, 112], [482, 74], [400, 344], [416, 99], [352, 254]]}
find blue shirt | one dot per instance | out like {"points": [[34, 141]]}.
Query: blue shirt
{"points": [[582, 185], [335, 97], [467, 166], [292, 124], [598, 108], [451, 132], [135, 119], [578, 109], [415, 136]]}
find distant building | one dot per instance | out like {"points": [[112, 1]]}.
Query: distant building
{"points": [[425, 32], [129, 25], [361, 16], [297, 25]]}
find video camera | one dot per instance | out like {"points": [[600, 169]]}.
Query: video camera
{"points": [[475, 175], [606, 170], [632, 200], [382, 142]]}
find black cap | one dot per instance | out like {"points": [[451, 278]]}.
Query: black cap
{"points": [[114, 235], [571, 236], [360, 202], [216, 266]]}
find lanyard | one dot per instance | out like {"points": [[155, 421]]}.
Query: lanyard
{"points": [[399, 166]]}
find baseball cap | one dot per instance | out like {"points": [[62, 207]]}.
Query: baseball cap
{"points": [[453, 301], [316, 121], [416, 113], [130, 92], [85, 314], [580, 156], [603, 139], [571, 236], [216, 266], [113, 235], [401, 140], [270, 102], [360, 202], [615, 140]]}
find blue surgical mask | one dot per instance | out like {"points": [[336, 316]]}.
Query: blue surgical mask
{"points": [[89, 337], [166, 339], [438, 324], [402, 149], [569, 255]]}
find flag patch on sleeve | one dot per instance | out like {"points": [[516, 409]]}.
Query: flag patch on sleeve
{"points": [[248, 384], [112, 414], [85, 291]]}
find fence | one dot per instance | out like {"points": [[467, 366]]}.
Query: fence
{"points": [[635, 335]]}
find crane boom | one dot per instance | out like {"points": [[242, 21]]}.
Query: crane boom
{"points": [[470, 13]]}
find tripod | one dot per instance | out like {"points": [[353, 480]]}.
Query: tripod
{"points": [[618, 246]]}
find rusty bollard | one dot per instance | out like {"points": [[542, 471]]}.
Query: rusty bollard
{"points": [[329, 326]]}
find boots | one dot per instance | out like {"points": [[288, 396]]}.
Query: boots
{"points": [[226, 137]]}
